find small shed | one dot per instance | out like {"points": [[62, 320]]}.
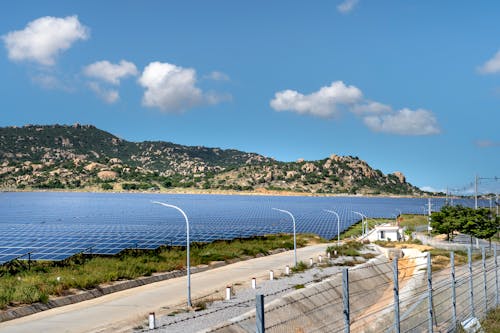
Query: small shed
{"points": [[385, 232]]}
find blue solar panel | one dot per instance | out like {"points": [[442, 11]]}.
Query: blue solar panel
{"points": [[55, 226]]}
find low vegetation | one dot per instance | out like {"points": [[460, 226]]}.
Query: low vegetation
{"points": [[350, 249], [491, 324], [20, 285]]}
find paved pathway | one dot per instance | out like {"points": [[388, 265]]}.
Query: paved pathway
{"points": [[124, 310]]}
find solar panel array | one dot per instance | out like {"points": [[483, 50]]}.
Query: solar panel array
{"points": [[55, 226]]}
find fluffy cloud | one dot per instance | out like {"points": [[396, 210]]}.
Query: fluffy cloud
{"points": [[347, 6], [110, 96], [324, 103], [432, 189], [329, 101], [109, 72], [371, 108], [491, 66], [173, 88], [44, 38], [217, 76], [486, 143], [404, 122]]}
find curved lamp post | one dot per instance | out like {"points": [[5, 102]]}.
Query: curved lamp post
{"points": [[400, 214], [362, 222], [187, 246], [338, 224], [294, 234]]}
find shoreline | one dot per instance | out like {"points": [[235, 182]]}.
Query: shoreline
{"points": [[217, 192]]}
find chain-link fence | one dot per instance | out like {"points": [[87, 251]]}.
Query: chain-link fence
{"points": [[408, 294]]}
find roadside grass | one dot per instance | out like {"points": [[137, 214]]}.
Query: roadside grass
{"points": [[407, 220], [18, 285], [300, 267], [350, 249], [411, 221], [491, 324]]}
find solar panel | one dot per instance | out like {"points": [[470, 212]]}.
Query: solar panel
{"points": [[55, 226]]}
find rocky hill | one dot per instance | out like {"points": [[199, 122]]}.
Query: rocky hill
{"points": [[82, 156]]}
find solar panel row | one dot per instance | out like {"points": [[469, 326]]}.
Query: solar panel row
{"points": [[55, 226]]}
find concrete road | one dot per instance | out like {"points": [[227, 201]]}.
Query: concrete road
{"points": [[121, 311]]}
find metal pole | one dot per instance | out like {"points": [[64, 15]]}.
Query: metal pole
{"points": [[497, 204], [259, 313], [483, 257], [294, 235], [188, 264], [496, 276], [338, 224], [429, 290], [396, 296], [362, 223], [453, 292], [429, 212], [475, 192], [471, 284], [345, 298]]}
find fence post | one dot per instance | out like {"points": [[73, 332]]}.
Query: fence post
{"points": [[453, 292], [483, 257], [496, 277], [396, 295], [345, 298], [471, 282], [259, 313], [429, 290]]}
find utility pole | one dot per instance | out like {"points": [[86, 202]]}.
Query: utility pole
{"points": [[429, 211], [475, 192], [497, 204]]}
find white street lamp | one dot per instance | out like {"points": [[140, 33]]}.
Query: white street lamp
{"points": [[294, 234], [338, 224], [362, 222], [187, 246]]}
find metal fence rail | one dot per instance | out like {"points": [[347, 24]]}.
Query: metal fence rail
{"points": [[404, 295]]}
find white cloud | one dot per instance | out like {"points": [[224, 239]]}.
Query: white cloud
{"points": [[173, 88], [46, 81], [486, 143], [432, 189], [217, 76], [329, 101], [404, 122], [347, 6], [371, 108], [491, 66], [109, 72], [324, 103], [110, 96], [44, 38]]}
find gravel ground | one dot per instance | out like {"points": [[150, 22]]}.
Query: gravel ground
{"points": [[243, 301]]}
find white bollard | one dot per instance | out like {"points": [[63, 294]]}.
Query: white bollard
{"points": [[254, 283], [152, 321], [320, 258], [228, 293], [287, 270], [310, 261], [335, 252], [328, 255], [271, 275]]}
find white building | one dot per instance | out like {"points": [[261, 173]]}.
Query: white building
{"points": [[385, 232]]}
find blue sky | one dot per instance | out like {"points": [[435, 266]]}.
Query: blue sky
{"points": [[410, 86]]}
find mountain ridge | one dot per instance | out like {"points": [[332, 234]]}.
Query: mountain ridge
{"points": [[82, 156]]}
